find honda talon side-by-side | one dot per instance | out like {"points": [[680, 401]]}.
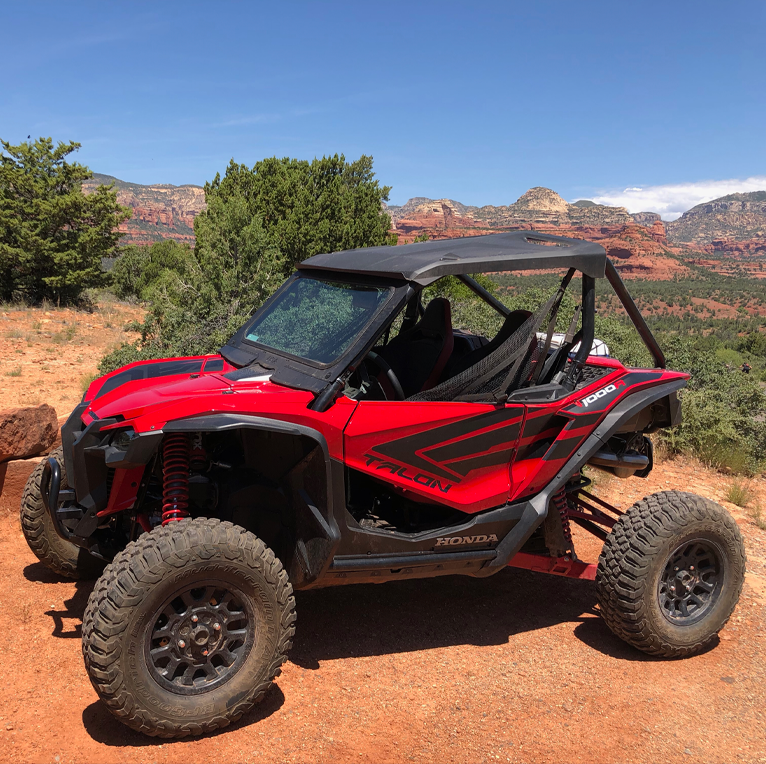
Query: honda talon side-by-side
{"points": [[349, 433]]}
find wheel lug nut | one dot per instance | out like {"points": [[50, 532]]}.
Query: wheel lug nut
{"points": [[181, 643], [195, 619], [217, 626]]}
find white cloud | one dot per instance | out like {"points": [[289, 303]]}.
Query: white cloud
{"points": [[672, 200]]}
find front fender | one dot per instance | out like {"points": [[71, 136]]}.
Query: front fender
{"points": [[315, 554], [535, 509]]}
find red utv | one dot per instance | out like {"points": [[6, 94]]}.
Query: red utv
{"points": [[349, 433]]}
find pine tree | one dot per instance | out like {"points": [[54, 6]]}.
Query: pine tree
{"points": [[52, 236]]}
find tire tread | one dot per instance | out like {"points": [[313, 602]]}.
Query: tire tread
{"points": [[628, 553], [122, 586]]}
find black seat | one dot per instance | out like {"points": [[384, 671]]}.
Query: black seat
{"points": [[511, 324], [418, 355]]}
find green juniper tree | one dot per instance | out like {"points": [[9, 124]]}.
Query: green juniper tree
{"points": [[308, 208], [52, 236]]}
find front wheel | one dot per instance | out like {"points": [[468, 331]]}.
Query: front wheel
{"points": [[188, 627], [57, 554], [670, 573]]}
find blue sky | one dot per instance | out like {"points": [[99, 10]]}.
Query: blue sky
{"points": [[472, 101]]}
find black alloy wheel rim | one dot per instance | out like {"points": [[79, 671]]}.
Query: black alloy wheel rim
{"points": [[200, 637], [691, 582]]}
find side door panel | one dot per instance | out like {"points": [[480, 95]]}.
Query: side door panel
{"points": [[457, 454]]}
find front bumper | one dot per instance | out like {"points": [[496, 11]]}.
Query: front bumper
{"points": [[89, 457], [60, 506]]}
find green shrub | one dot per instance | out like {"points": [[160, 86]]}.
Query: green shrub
{"points": [[753, 343], [723, 411], [138, 267]]}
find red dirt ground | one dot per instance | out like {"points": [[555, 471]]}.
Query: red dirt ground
{"points": [[46, 355], [518, 667]]}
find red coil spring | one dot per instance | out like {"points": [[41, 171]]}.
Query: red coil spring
{"points": [[175, 477], [560, 500]]}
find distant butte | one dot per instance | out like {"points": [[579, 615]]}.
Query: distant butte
{"points": [[159, 212], [640, 244], [724, 234]]}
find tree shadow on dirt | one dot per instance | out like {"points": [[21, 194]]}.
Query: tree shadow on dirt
{"points": [[105, 729], [74, 607], [408, 616]]}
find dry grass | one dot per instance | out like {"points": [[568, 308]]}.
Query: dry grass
{"points": [[86, 379], [67, 335], [757, 516], [661, 451], [600, 480], [739, 492], [14, 372]]}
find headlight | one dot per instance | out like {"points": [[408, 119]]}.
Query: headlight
{"points": [[121, 439]]}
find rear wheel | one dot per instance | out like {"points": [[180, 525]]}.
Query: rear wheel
{"points": [[58, 554], [670, 573], [188, 627]]}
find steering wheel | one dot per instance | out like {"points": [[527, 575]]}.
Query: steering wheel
{"points": [[389, 372]]}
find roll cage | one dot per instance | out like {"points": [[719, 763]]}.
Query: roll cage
{"points": [[406, 270]]}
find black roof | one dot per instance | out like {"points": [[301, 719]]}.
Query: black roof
{"points": [[427, 261]]}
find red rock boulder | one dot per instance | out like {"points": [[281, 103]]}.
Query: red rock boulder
{"points": [[26, 432]]}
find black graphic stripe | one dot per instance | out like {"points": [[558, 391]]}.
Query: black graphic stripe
{"points": [[476, 444], [585, 420], [562, 448], [411, 448], [485, 460]]}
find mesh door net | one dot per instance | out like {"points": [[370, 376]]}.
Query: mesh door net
{"points": [[502, 370]]}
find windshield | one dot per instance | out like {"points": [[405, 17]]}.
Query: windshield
{"points": [[316, 319]]}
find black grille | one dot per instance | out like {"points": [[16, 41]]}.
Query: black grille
{"points": [[109, 481]]}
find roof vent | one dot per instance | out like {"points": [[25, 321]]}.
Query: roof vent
{"points": [[545, 242]]}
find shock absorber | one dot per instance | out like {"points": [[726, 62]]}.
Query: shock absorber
{"points": [[175, 477], [198, 458], [560, 500]]}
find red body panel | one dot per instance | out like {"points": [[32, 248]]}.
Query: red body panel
{"points": [[149, 404], [454, 453], [470, 456], [124, 488]]}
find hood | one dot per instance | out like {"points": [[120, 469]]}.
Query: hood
{"points": [[135, 398], [160, 391], [154, 370], [145, 383]]}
